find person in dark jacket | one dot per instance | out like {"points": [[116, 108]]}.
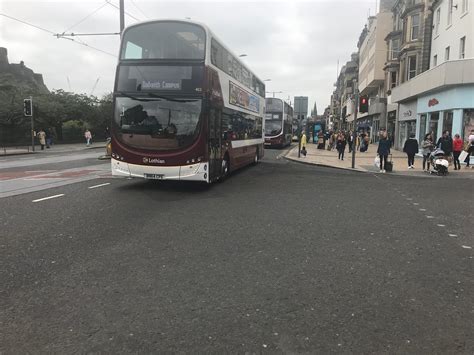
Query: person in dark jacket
{"points": [[411, 148], [383, 150], [341, 145], [445, 143]]}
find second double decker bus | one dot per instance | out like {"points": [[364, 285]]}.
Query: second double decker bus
{"points": [[186, 108], [278, 123]]}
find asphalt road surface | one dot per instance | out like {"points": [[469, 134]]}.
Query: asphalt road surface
{"points": [[280, 258]]}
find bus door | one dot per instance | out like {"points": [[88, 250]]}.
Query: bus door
{"points": [[215, 143]]}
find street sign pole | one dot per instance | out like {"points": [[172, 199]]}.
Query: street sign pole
{"points": [[32, 123], [354, 133]]}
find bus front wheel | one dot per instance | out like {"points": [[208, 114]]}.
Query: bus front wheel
{"points": [[225, 168]]}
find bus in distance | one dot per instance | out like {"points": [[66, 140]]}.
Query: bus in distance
{"points": [[185, 107], [278, 123]]}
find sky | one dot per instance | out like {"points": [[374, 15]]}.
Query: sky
{"points": [[295, 43]]}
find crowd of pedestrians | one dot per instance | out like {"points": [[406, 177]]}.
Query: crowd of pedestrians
{"points": [[453, 148]]}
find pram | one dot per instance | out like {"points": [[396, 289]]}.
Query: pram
{"points": [[439, 163]]}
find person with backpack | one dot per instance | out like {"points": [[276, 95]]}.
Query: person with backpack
{"points": [[383, 150], [411, 148]]}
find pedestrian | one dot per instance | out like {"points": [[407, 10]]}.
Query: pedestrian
{"points": [[88, 137], [50, 134], [470, 148], [427, 147], [341, 145], [445, 143], [383, 150], [303, 143], [457, 149], [411, 148], [320, 140], [42, 138], [350, 140]]}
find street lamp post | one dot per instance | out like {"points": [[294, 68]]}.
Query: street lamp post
{"points": [[354, 133]]}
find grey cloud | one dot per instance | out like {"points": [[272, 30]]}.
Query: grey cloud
{"points": [[295, 43]]}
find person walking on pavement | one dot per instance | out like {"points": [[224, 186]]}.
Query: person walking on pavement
{"points": [[42, 138], [383, 150], [427, 147], [341, 145], [457, 149], [88, 137], [470, 148], [303, 144], [445, 143], [350, 140], [411, 148]]}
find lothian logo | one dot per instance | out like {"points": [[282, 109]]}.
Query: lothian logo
{"points": [[153, 160], [433, 102]]}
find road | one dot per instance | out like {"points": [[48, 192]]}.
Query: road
{"points": [[280, 258]]}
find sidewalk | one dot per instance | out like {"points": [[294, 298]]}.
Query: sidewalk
{"points": [[56, 148], [364, 162]]}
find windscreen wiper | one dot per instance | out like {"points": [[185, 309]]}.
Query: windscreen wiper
{"points": [[137, 98], [169, 99]]}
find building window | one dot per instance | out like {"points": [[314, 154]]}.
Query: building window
{"points": [[464, 5], [435, 60], [411, 70], [393, 79], [395, 48], [462, 47], [446, 54], [415, 26], [450, 12], [438, 20]]}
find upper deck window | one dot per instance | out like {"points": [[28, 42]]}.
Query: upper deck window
{"points": [[164, 40]]}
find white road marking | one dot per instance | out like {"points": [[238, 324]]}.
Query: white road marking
{"points": [[47, 198], [95, 186], [415, 203], [430, 217], [452, 235], [423, 209], [441, 225], [409, 199], [466, 247]]}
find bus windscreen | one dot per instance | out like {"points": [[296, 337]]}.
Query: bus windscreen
{"points": [[164, 40]]}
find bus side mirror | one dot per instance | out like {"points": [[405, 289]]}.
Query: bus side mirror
{"points": [[224, 136]]}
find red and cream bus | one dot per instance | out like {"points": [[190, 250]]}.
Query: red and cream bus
{"points": [[185, 107], [278, 123]]}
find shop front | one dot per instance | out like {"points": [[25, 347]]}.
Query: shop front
{"points": [[391, 122], [448, 110], [406, 122]]}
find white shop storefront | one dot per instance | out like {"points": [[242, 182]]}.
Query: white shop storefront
{"points": [[451, 109], [407, 119]]}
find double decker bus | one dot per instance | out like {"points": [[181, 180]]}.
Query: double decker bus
{"points": [[185, 107], [278, 123]]}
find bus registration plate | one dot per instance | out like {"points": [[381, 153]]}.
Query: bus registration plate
{"points": [[154, 176]]}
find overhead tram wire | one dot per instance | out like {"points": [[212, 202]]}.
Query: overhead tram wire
{"points": [[118, 8], [85, 18], [54, 34], [136, 6]]}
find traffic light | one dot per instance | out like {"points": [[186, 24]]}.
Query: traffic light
{"points": [[363, 104], [28, 107]]}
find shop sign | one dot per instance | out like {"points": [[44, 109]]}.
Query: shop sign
{"points": [[433, 102]]}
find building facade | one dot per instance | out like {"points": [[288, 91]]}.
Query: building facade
{"points": [[408, 55], [372, 58], [442, 98]]}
